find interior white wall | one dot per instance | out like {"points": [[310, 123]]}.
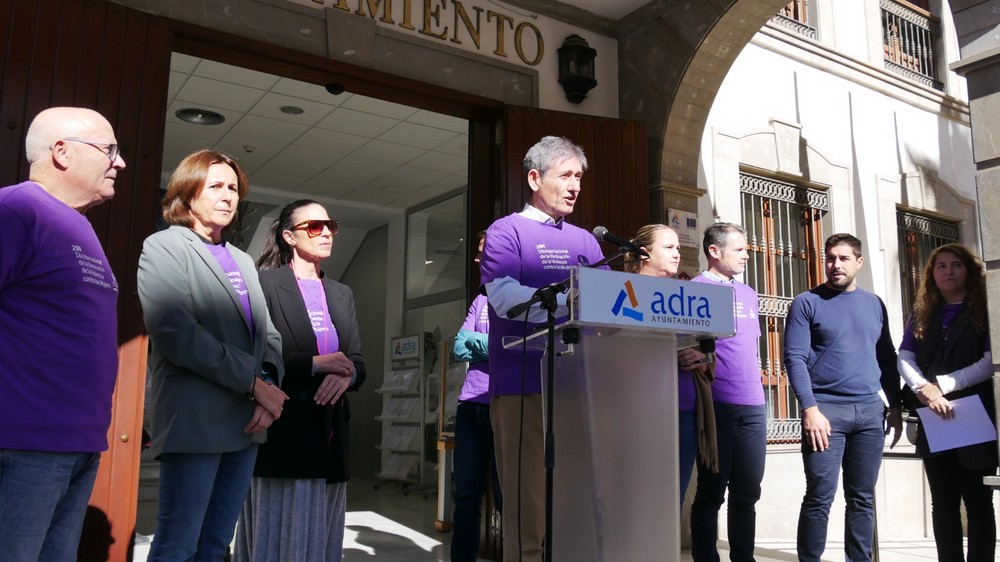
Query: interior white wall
{"points": [[367, 278]]}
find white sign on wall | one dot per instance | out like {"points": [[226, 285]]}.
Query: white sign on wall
{"points": [[407, 347], [685, 224]]}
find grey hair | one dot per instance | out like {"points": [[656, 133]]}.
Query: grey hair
{"points": [[552, 150]]}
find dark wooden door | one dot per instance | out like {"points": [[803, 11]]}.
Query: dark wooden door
{"points": [[92, 53], [614, 191]]}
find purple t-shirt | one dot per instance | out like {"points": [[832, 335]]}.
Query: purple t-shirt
{"points": [[534, 254], [737, 368], [58, 326], [477, 379], [327, 340], [232, 270], [685, 390]]}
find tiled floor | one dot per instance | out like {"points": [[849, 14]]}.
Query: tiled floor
{"points": [[386, 525]]}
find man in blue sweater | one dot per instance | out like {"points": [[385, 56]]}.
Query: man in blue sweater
{"points": [[838, 353]]}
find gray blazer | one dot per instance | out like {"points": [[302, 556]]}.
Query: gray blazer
{"points": [[202, 357]]}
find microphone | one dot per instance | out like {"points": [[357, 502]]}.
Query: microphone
{"points": [[707, 346], [603, 235]]}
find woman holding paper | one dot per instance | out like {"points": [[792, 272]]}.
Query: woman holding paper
{"points": [[945, 355]]}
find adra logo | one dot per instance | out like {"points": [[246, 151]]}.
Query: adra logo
{"points": [[405, 347], [664, 308], [678, 308], [619, 308]]}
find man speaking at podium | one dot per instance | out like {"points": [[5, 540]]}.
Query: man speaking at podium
{"points": [[526, 251]]}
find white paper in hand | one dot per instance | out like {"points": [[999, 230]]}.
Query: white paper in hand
{"points": [[971, 425]]}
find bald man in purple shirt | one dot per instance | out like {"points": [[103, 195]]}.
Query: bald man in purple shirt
{"points": [[58, 334]]}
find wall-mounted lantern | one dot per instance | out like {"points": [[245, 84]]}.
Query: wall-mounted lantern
{"points": [[576, 68]]}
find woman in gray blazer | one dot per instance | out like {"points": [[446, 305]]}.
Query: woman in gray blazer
{"points": [[302, 471], [214, 361]]}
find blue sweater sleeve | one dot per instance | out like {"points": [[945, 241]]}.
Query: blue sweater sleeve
{"points": [[471, 346], [885, 352], [798, 347]]}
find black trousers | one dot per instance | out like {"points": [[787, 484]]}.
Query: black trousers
{"points": [[950, 484]]}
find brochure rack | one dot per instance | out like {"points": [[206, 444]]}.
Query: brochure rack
{"points": [[405, 414]]}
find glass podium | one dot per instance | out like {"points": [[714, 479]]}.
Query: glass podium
{"points": [[614, 420]]}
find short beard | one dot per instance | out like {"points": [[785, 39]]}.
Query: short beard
{"points": [[841, 285]]}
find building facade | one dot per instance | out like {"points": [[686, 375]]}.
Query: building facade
{"points": [[840, 117], [711, 109]]}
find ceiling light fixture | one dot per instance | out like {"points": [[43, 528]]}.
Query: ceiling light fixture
{"points": [[291, 110], [199, 116]]}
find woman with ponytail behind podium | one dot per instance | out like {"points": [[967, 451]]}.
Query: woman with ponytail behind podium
{"points": [[662, 245]]}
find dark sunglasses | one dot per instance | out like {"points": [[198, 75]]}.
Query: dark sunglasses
{"points": [[314, 228]]}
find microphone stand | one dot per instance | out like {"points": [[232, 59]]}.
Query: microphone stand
{"points": [[550, 438], [547, 297]]}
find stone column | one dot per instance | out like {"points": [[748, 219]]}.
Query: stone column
{"points": [[977, 23]]}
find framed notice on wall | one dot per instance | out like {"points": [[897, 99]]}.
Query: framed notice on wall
{"points": [[685, 224]]}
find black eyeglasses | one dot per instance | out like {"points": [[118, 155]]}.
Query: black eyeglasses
{"points": [[314, 228], [109, 149]]}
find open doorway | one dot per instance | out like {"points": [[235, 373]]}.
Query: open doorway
{"points": [[395, 176]]}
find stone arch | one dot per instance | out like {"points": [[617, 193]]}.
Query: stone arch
{"points": [[675, 55]]}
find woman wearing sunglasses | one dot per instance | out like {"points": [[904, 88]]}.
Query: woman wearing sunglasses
{"points": [[297, 500], [214, 361]]}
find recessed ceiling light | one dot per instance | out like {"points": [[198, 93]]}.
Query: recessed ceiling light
{"points": [[291, 110], [199, 116]]}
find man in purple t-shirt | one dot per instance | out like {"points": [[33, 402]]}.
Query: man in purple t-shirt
{"points": [[740, 420], [475, 462], [58, 334], [524, 251]]}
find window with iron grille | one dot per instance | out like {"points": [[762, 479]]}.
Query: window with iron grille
{"points": [[795, 16], [784, 224], [909, 37], [918, 236]]}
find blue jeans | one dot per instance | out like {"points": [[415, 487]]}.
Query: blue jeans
{"points": [[856, 445], [43, 500], [742, 441], [200, 500], [687, 445], [474, 460]]}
